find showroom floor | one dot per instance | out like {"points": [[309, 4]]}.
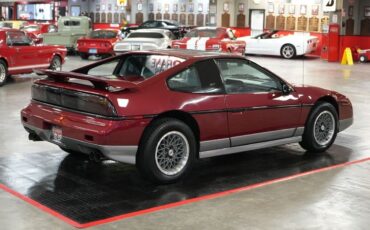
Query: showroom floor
{"points": [[336, 195]]}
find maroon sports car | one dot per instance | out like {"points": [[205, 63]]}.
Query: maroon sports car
{"points": [[161, 110]]}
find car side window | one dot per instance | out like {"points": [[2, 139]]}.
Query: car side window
{"points": [[202, 77], [17, 38], [185, 81], [104, 70], [240, 76]]}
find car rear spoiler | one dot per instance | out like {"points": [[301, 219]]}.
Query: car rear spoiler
{"points": [[111, 85]]}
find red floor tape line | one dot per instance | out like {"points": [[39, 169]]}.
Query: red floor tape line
{"points": [[176, 204]]}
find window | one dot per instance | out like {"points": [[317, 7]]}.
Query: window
{"points": [[239, 76], [145, 35], [185, 81], [104, 70], [203, 77], [103, 34], [52, 28], [17, 38], [150, 24], [71, 23]]}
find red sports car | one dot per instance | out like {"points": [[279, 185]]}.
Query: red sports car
{"points": [[98, 42], [35, 31], [161, 110], [211, 39], [18, 54]]}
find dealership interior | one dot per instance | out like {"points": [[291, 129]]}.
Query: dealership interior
{"points": [[316, 52]]}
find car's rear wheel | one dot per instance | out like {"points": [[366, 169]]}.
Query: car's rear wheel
{"points": [[3, 72], [84, 56], [363, 58], [321, 128], [167, 151], [56, 63], [288, 51]]}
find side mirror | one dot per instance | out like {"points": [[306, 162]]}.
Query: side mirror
{"points": [[286, 89]]}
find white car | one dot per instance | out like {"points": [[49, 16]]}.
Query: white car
{"points": [[145, 39], [289, 46]]}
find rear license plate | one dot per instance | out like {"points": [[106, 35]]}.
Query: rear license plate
{"points": [[93, 51], [56, 134], [135, 47]]}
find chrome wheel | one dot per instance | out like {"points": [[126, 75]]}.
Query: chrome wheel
{"points": [[56, 64], [288, 51], [172, 153], [324, 128], [2, 73]]}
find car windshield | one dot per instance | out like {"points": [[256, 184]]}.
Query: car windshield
{"points": [[103, 34], [211, 33], [145, 35], [32, 28]]}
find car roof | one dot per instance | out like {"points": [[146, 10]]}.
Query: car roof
{"points": [[150, 30], [190, 54]]}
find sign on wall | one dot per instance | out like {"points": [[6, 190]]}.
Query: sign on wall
{"points": [[329, 5], [121, 2]]}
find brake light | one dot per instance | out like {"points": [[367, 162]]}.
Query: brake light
{"points": [[75, 100]]}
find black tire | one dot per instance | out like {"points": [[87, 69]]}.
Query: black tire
{"points": [[84, 56], [288, 51], [320, 139], [363, 59], [148, 161], [56, 63], [3, 73]]}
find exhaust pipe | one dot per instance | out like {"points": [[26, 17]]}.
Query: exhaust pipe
{"points": [[34, 137]]}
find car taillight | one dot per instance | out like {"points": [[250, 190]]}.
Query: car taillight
{"points": [[74, 100]]}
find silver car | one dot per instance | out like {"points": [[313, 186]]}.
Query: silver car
{"points": [[145, 39]]}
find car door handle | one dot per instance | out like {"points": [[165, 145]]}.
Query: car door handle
{"points": [[236, 110]]}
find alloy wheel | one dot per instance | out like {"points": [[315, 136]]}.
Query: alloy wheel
{"points": [[324, 128]]}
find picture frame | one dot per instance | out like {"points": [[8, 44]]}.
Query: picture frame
{"points": [[270, 7], [350, 11], [75, 10], [97, 7], [166, 7], [109, 7], [174, 9], [226, 7], [241, 7], [200, 7], [191, 7], [102, 7], [151, 7], [140, 6], [367, 11], [281, 9], [303, 9], [159, 7], [183, 7], [291, 9], [315, 9]]}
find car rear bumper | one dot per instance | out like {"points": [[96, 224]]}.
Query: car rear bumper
{"points": [[126, 154], [115, 139]]}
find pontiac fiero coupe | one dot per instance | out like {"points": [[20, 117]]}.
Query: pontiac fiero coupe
{"points": [[19, 55], [161, 110]]}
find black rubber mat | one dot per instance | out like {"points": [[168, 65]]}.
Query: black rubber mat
{"points": [[86, 192]]}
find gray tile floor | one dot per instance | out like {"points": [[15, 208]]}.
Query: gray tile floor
{"points": [[334, 199]]}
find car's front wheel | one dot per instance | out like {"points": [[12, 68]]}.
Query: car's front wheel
{"points": [[56, 63], [363, 58], [167, 151], [321, 128], [288, 51], [3, 72]]}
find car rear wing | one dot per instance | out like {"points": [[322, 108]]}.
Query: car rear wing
{"points": [[111, 85]]}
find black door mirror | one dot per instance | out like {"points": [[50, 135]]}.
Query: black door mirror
{"points": [[286, 89]]}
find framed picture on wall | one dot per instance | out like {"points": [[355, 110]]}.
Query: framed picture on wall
{"points": [[367, 11], [140, 6], [75, 10], [270, 7], [315, 9], [200, 7], [226, 7], [174, 9], [109, 7], [291, 9], [191, 7], [151, 7], [241, 7], [166, 7], [103, 7], [303, 10], [350, 11], [159, 7], [97, 7], [183, 7], [281, 9]]}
